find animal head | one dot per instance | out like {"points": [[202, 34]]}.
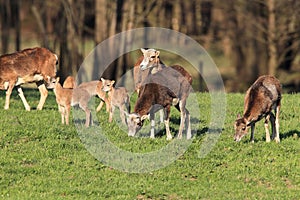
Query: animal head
{"points": [[241, 127], [135, 123], [50, 69], [151, 58], [50, 84], [107, 84]]}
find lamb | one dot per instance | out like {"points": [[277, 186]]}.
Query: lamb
{"points": [[66, 98], [116, 97], [161, 90], [91, 87], [261, 98]]}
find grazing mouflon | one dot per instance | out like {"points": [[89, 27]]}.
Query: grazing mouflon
{"points": [[163, 89], [261, 98]]}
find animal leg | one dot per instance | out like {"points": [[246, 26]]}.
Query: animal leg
{"points": [[67, 113], [167, 122], [108, 103], [277, 138], [182, 118], [62, 113], [152, 132], [84, 106], [7, 97], [122, 113], [44, 93], [252, 132], [161, 114], [100, 106], [272, 119], [112, 109], [21, 94], [267, 129], [188, 125]]}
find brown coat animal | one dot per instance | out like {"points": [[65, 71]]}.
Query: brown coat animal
{"points": [[29, 65], [92, 88], [261, 98], [66, 98], [150, 63], [161, 90], [117, 97], [95, 88]]}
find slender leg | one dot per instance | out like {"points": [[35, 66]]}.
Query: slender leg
{"points": [[167, 122], [161, 114], [67, 113], [272, 119], [7, 97], [277, 137], [62, 113], [112, 109], [252, 132], [152, 132], [182, 118], [87, 117], [100, 106], [44, 93], [122, 113], [188, 125], [267, 129], [21, 94]]}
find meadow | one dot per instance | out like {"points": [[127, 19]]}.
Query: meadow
{"points": [[41, 158]]}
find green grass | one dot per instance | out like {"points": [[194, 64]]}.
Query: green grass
{"points": [[40, 158]]}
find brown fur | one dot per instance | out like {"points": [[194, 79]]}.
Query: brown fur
{"points": [[91, 87], [177, 80], [152, 65], [261, 98], [118, 97], [66, 98], [70, 82], [29, 65]]}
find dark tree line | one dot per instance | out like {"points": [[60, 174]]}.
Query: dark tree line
{"points": [[255, 37]]}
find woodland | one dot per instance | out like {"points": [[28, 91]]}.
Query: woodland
{"points": [[245, 38]]}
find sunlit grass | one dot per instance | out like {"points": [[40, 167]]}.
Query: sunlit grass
{"points": [[40, 158]]}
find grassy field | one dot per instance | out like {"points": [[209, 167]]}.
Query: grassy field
{"points": [[40, 158]]}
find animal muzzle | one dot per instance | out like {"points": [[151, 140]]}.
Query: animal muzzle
{"points": [[131, 133], [237, 138], [51, 83]]}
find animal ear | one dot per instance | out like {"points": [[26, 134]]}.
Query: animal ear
{"points": [[157, 53], [143, 50], [145, 117], [57, 79], [112, 82], [238, 115], [102, 79]]}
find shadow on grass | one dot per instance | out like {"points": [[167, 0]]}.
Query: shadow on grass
{"points": [[290, 134]]}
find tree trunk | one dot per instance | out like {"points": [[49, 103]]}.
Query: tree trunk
{"points": [[272, 50], [5, 12], [100, 23]]}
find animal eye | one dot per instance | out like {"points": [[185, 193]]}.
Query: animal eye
{"points": [[244, 128], [152, 57]]}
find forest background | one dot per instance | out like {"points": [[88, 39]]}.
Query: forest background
{"points": [[245, 38]]}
